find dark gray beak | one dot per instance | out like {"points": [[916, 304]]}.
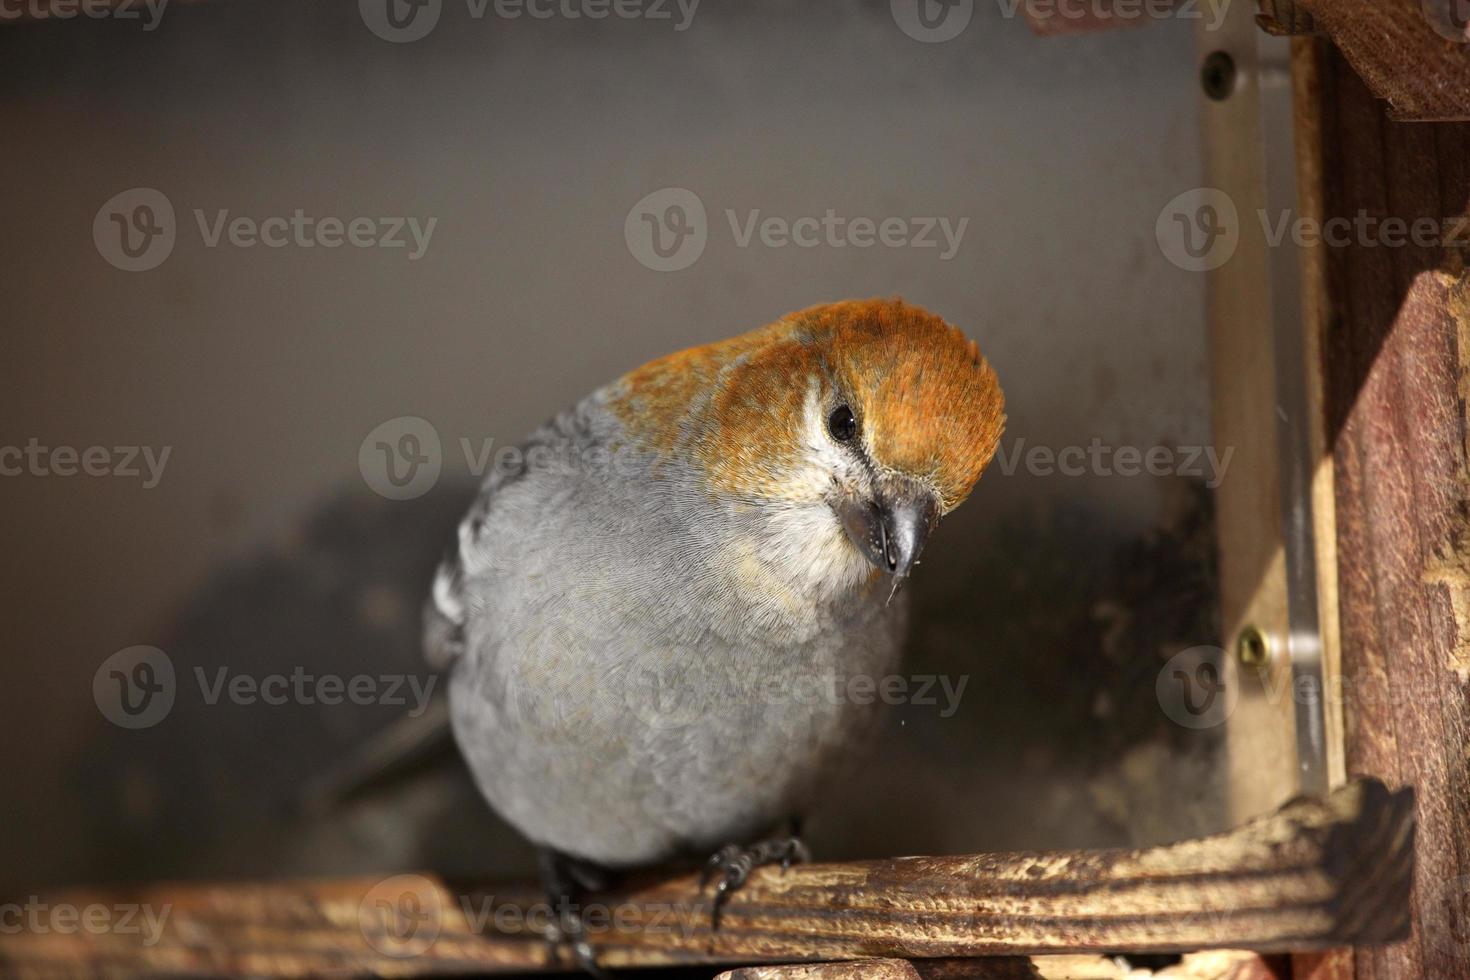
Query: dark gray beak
{"points": [[892, 529]]}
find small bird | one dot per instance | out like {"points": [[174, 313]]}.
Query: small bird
{"points": [[652, 608]]}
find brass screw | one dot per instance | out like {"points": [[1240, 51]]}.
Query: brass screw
{"points": [[1252, 647]]}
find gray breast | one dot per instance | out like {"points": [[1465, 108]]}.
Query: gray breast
{"points": [[620, 690]]}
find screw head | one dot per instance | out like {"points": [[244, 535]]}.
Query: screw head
{"points": [[1218, 75], [1252, 648]]}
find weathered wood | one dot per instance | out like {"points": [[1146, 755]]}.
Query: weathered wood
{"points": [[1336, 964], [1394, 338], [1318, 874], [999, 968], [1405, 50], [1285, 18], [1212, 965]]}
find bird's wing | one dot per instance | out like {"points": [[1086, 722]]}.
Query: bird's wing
{"points": [[447, 611], [444, 614]]}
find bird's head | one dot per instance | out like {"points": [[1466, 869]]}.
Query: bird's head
{"points": [[876, 414]]}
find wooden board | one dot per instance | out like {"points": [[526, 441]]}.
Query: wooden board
{"points": [[1212, 965], [1393, 325], [1405, 51], [1316, 875]]}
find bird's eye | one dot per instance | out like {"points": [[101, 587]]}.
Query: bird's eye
{"points": [[841, 424]]}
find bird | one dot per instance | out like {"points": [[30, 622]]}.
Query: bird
{"points": [[649, 610]]}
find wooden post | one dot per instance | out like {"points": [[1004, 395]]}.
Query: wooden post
{"points": [[1391, 319]]}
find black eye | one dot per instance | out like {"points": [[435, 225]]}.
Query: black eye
{"points": [[841, 424]]}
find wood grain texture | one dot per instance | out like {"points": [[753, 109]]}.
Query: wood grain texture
{"points": [[1336, 964], [1000, 968], [1285, 17], [1316, 875], [1395, 338], [1210, 965], [1404, 50]]}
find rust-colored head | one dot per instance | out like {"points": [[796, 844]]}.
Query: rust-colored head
{"points": [[755, 412]]}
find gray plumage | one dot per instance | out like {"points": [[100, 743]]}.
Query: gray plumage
{"points": [[640, 668]]}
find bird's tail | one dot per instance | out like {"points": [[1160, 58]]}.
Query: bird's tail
{"points": [[403, 749]]}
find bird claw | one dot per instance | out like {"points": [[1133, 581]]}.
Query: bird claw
{"points": [[734, 863], [568, 931], [562, 877]]}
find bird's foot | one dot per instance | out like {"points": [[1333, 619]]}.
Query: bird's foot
{"points": [[733, 863], [564, 879]]}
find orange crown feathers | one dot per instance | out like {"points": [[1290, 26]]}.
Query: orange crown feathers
{"points": [[929, 405]]}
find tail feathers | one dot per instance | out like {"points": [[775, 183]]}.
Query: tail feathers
{"points": [[409, 744], [404, 748]]}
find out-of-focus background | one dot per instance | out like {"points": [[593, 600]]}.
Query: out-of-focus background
{"points": [[261, 545]]}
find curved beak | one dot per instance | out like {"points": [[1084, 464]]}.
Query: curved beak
{"points": [[892, 529]]}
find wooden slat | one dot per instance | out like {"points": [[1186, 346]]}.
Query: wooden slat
{"points": [[1395, 46], [1394, 325], [1285, 17], [1212, 965], [999, 968], [1315, 875]]}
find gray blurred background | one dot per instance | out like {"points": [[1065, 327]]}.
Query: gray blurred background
{"points": [[263, 549]]}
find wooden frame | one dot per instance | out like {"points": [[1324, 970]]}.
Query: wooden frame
{"points": [[1394, 333], [1316, 875], [1340, 377], [1385, 333]]}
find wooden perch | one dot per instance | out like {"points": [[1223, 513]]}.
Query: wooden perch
{"points": [[1215, 965], [1316, 874]]}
